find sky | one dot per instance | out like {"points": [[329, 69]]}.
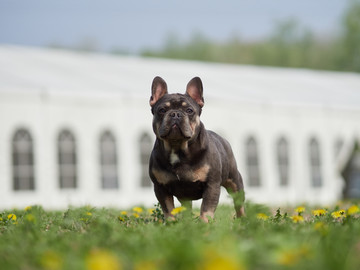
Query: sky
{"points": [[135, 25]]}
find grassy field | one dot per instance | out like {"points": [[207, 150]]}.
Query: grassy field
{"points": [[139, 238]]}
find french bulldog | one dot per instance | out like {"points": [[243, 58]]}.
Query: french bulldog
{"points": [[188, 161]]}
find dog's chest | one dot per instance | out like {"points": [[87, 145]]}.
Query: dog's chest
{"points": [[182, 173]]}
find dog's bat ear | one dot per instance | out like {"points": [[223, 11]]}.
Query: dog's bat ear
{"points": [[195, 90], [158, 90]]}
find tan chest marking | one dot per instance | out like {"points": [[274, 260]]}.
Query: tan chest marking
{"points": [[201, 173], [163, 177]]}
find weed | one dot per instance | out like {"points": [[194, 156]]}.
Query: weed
{"points": [[140, 238]]}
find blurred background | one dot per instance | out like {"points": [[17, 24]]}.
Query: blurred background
{"points": [[281, 79], [322, 34]]}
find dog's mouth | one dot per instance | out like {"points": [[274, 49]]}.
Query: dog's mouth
{"points": [[175, 128], [173, 132]]}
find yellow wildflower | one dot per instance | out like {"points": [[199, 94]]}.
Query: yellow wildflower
{"points": [[300, 209], [11, 217], [88, 213], [297, 219], [137, 210], [146, 265], [27, 208], [319, 212], [224, 263], [178, 210], [292, 257], [123, 213], [51, 260], [289, 257], [321, 227], [151, 210], [262, 216], [102, 260], [354, 209], [339, 214], [30, 218], [213, 260], [1, 219], [136, 215], [121, 218]]}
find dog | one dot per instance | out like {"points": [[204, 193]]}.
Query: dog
{"points": [[188, 161]]}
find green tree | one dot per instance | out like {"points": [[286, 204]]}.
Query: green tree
{"points": [[350, 55]]}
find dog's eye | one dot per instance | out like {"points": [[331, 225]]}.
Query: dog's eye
{"points": [[189, 110], [162, 111]]}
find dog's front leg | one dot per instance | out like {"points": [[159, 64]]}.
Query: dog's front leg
{"points": [[165, 199], [210, 201]]}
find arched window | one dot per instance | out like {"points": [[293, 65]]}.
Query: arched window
{"points": [[23, 161], [315, 163], [145, 151], [67, 160], [252, 162], [108, 161], [282, 150]]}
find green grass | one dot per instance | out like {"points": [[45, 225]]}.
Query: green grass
{"points": [[91, 238]]}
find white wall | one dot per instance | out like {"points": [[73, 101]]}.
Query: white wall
{"points": [[44, 115]]}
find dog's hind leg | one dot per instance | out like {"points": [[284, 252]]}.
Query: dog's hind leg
{"points": [[235, 188]]}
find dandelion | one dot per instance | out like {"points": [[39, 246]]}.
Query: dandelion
{"points": [[297, 219], [339, 214], [300, 210], [27, 208], [289, 258], [214, 260], [321, 227], [11, 217], [354, 209], [178, 210], [262, 216], [146, 265], [221, 262], [136, 215], [102, 260], [137, 210], [293, 256], [30, 218], [51, 260], [319, 212], [123, 213], [151, 211], [88, 213]]}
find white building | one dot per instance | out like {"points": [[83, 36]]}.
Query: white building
{"points": [[76, 128]]}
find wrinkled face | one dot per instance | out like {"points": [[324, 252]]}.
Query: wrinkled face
{"points": [[176, 118]]}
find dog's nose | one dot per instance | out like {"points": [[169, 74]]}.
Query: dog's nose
{"points": [[175, 115]]}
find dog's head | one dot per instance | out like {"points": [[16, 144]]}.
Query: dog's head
{"points": [[176, 116]]}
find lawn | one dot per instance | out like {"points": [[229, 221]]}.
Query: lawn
{"points": [[92, 238]]}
